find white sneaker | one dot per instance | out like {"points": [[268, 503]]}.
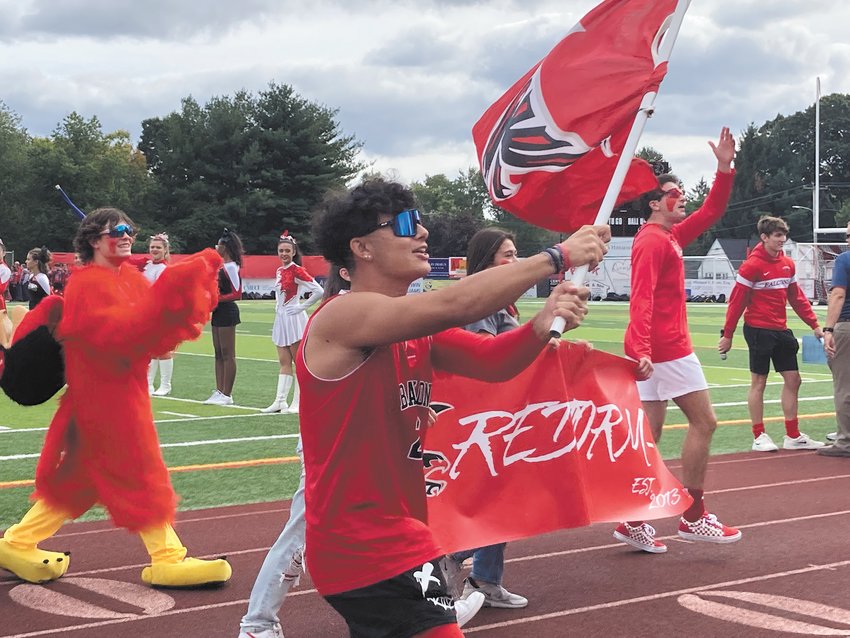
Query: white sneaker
{"points": [[763, 443], [494, 595], [466, 608], [221, 399], [832, 436], [292, 409], [150, 390], [213, 398], [274, 632], [802, 442], [162, 391]]}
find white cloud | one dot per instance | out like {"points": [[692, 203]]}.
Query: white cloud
{"points": [[409, 77]]}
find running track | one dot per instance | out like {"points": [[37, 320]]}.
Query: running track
{"points": [[787, 577]]}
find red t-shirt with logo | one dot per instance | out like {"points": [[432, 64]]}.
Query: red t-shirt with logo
{"points": [[365, 490]]}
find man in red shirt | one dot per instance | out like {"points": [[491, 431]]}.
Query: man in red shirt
{"points": [[657, 338], [365, 369], [765, 282]]}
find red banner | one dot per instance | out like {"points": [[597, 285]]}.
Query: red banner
{"points": [[549, 146], [564, 444]]}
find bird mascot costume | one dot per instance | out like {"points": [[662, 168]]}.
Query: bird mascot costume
{"points": [[102, 446]]}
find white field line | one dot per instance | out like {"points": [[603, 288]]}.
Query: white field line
{"points": [[518, 621], [158, 421], [212, 356], [188, 416], [659, 596], [270, 437]]}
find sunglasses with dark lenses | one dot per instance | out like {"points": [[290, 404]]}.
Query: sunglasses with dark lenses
{"points": [[119, 230], [403, 224]]}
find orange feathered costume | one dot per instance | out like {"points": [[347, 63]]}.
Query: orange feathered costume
{"points": [[102, 446]]}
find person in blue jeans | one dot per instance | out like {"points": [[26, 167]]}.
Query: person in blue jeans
{"points": [[280, 571], [282, 568], [488, 248]]}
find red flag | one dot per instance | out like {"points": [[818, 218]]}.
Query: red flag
{"points": [[563, 444], [549, 146]]}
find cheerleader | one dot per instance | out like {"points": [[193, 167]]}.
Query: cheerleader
{"points": [[225, 317], [292, 283], [159, 250], [39, 285]]}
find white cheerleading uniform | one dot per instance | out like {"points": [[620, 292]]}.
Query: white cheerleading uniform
{"points": [[153, 270], [292, 282]]}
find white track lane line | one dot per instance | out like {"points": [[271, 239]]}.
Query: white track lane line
{"points": [[642, 599], [243, 439], [511, 623]]}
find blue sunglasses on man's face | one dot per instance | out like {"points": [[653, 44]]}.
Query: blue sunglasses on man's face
{"points": [[119, 230], [404, 223]]}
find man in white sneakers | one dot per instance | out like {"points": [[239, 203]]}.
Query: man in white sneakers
{"points": [[766, 281]]}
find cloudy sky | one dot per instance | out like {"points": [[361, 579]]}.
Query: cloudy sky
{"points": [[409, 77]]}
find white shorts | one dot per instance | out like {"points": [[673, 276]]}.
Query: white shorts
{"points": [[288, 329], [672, 379]]}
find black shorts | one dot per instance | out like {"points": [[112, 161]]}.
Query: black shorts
{"points": [[226, 314], [779, 346], [398, 607]]}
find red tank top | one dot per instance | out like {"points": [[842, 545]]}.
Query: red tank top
{"points": [[365, 487]]}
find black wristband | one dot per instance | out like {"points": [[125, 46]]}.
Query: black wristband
{"points": [[828, 329], [556, 258]]}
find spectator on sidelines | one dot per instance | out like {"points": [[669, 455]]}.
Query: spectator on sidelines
{"points": [[15, 282], [369, 549], [59, 278], [836, 343], [657, 338], [5, 276], [489, 247], [26, 275], [766, 281]]}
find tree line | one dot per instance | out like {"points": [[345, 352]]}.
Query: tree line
{"points": [[260, 163]]}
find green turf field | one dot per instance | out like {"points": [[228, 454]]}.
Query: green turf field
{"points": [[193, 434]]}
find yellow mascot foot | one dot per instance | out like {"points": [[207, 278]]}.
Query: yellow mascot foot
{"points": [[33, 565], [191, 572]]}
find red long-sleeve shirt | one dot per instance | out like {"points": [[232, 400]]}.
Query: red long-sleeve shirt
{"points": [[658, 320], [763, 286]]}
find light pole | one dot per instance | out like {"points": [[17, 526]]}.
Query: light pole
{"points": [[816, 192]]}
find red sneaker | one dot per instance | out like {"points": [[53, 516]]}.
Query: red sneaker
{"points": [[708, 529], [641, 537]]}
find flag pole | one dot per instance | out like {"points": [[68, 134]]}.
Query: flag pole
{"points": [[645, 111]]}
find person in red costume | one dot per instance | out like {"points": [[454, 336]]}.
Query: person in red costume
{"points": [[657, 338], [102, 446], [365, 368], [766, 281]]}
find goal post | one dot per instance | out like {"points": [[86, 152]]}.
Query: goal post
{"points": [[814, 268]]}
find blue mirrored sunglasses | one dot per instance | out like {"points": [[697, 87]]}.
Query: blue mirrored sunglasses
{"points": [[403, 223], [119, 230]]}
